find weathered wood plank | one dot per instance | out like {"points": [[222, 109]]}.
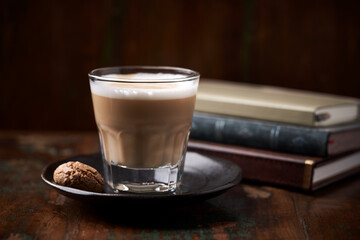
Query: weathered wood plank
{"points": [[32, 210]]}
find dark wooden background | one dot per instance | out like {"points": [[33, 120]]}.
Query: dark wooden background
{"points": [[49, 46]]}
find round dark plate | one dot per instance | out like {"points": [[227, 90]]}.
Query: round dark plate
{"points": [[204, 177]]}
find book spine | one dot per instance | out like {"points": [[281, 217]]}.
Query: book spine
{"points": [[259, 134], [263, 169]]}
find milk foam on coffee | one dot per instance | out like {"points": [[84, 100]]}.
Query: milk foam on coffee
{"points": [[143, 124], [142, 88]]}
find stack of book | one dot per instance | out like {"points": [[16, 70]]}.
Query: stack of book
{"points": [[280, 136]]}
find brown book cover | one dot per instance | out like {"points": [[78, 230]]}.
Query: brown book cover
{"points": [[303, 172]]}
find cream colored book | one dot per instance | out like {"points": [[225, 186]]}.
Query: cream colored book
{"points": [[275, 104]]}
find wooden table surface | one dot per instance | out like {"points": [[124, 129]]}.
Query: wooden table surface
{"points": [[29, 209]]}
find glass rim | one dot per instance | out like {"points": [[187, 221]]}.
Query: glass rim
{"points": [[190, 74]]}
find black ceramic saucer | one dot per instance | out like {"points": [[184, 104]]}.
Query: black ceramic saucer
{"points": [[204, 177]]}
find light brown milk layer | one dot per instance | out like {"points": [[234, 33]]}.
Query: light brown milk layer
{"points": [[145, 133]]}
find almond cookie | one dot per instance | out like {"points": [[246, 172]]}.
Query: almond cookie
{"points": [[80, 176]]}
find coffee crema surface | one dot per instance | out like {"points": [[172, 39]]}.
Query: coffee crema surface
{"points": [[143, 125]]}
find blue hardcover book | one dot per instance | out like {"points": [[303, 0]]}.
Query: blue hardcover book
{"points": [[275, 136]]}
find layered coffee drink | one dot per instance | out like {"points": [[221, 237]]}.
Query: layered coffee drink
{"points": [[143, 125], [144, 121]]}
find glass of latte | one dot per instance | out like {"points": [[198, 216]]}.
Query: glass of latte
{"points": [[143, 115]]}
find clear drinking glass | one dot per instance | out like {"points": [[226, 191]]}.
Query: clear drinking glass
{"points": [[144, 116]]}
